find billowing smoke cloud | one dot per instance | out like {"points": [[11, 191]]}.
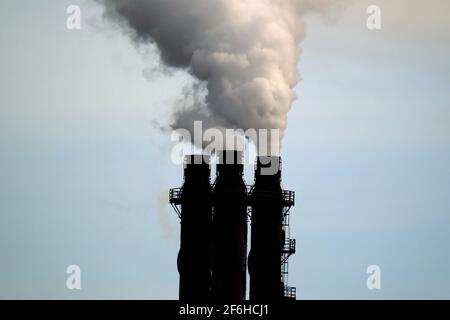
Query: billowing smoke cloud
{"points": [[243, 53]]}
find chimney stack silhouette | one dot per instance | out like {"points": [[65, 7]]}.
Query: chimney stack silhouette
{"points": [[212, 261]]}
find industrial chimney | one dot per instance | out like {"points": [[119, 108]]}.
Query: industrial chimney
{"points": [[270, 243], [193, 203], [229, 229], [212, 259]]}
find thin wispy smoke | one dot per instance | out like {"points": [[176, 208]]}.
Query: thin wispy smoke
{"points": [[242, 53]]}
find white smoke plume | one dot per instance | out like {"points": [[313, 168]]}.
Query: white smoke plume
{"points": [[244, 53]]}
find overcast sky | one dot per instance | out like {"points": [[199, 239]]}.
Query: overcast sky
{"points": [[84, 172]]}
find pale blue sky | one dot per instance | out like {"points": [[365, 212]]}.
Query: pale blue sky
{"points": [[84, 174]]}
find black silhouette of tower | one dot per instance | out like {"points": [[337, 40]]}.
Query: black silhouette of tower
{"points": [[229, 229], [213, 248], [193, 203], [270, 243]]}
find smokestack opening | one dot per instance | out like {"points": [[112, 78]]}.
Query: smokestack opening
{"points": [[230, 157], [197, 166], [197, 159], [230, 162]]}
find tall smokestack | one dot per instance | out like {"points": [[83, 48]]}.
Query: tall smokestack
{"points": [[229, 229], [212, 259], [195, 199], [268, 255]]}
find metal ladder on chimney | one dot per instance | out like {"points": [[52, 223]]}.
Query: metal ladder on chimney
{"points": [[289, 246]]}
